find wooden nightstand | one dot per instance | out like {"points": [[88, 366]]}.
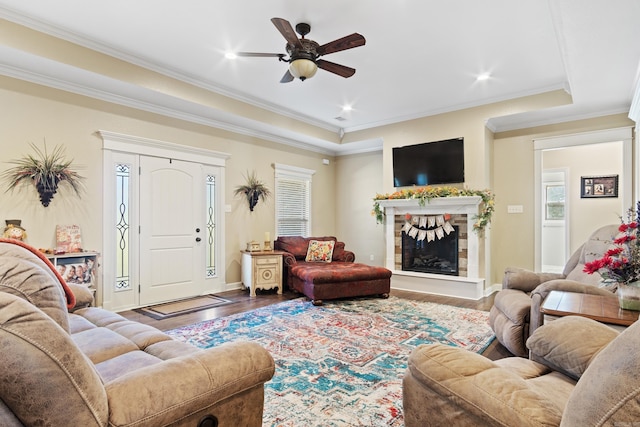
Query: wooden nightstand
{"points": [[262, 270]]}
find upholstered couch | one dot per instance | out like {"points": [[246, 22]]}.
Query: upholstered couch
{"points": [[515, 314], [336, 276], [93, 367], [584, 374]]}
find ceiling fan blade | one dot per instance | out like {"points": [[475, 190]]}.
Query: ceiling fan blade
{"points": [[287, 31], [334, 68], [288, 77], [347, 42], [260, 55]]}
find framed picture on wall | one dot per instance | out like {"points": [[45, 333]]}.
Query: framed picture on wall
{"points": [[598, 186]]}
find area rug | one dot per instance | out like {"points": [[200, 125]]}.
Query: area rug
{"points": [[184, 306], [341, 364]]}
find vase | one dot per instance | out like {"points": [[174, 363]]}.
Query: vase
{"points": [[629, 296], [253, 200], [46, 190]]}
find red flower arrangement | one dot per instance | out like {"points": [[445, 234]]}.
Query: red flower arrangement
{"points": [[621, 263]]}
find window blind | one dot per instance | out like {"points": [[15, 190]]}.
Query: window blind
{"points": [[293, 206], [293, 200]]}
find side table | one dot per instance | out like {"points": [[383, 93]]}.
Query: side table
{"points": [[602, 308], [262, 270]]}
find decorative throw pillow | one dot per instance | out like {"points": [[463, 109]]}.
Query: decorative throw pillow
{"points": [[320, 251]]}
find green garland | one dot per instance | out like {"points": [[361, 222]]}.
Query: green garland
{"points": [[424, 194]]}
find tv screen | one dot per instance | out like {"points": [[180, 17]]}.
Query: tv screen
{"points": [[430, 163]]}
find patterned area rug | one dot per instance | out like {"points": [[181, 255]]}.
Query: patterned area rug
{"points": [[342, 364]]}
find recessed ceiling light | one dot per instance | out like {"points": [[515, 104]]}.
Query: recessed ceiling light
{"points": [[484, 76], [230, 55], [347, 108]]}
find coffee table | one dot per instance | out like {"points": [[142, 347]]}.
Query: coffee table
{"points": [[602, 308]]}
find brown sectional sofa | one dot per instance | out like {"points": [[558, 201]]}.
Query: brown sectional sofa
{"points": [[340, 278], [93, 367]]}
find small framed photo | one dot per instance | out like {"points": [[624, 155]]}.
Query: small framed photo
{"points": [[78, 270], [598, 186]]}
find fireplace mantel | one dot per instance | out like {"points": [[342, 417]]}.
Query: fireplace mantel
{"points": [[472, 202], [471, 286]]}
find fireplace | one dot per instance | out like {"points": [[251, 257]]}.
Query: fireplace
{"points": [[446, 255], [439, 256], [461, 213]]}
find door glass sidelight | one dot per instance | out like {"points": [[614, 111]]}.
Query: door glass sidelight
{"points": [[122, 229], [210, 185]]}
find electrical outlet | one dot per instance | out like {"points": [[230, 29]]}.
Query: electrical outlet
{"points": [[514, 209], [371, 257]]}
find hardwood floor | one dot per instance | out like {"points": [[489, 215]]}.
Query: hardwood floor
{"points": [[242, 302]]}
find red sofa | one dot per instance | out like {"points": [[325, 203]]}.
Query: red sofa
{"points": [[340, 278]]}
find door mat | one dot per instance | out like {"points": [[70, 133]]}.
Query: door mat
{"points": [[184, 306]]}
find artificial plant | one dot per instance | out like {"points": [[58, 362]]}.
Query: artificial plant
{"points": [[45, 171], [253, 190]]}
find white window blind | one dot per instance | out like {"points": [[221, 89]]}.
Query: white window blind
{"points": [[293, 201]]}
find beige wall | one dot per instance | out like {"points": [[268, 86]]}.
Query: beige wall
{"points": [[479, 154], [358, 177], [503, 162], [342, 191], [31, 113]]}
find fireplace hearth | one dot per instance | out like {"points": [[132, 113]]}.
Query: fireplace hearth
{"points": [[439, 256]]}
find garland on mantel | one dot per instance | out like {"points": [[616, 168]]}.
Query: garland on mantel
{"points": [[424, 194]]}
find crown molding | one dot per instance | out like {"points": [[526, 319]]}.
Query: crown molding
{"points": [[204, 115], [83, 41]]}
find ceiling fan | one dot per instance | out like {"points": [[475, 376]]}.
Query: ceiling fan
{"points": [[304, 53]]}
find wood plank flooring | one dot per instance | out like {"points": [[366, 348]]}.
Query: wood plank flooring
{"points": [[242, 302]]}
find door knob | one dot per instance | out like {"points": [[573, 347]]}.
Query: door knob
{"points": [[198, 239], [197, 230]]}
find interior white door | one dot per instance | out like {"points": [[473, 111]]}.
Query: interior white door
{"points": [[555, 206], [171, 223]]}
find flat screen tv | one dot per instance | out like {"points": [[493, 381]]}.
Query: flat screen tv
{"points": [[430, 163]]}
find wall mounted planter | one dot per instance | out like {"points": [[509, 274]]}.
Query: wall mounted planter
{"points": [[253, 190], [45, 172]]}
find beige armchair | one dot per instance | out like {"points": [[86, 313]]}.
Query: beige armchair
{"points": [[515, 314], [584, 374]]}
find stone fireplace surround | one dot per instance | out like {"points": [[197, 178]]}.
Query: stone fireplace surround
{"points": [[468, 284]]}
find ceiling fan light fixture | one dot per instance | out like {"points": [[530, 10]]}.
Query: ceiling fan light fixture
{"points": [[303, 68]]}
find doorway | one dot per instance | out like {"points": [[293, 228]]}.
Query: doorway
{"points": [[167, 204], [606, 152]]}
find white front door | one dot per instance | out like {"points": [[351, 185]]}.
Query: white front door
{"points": [[172, 254]]}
